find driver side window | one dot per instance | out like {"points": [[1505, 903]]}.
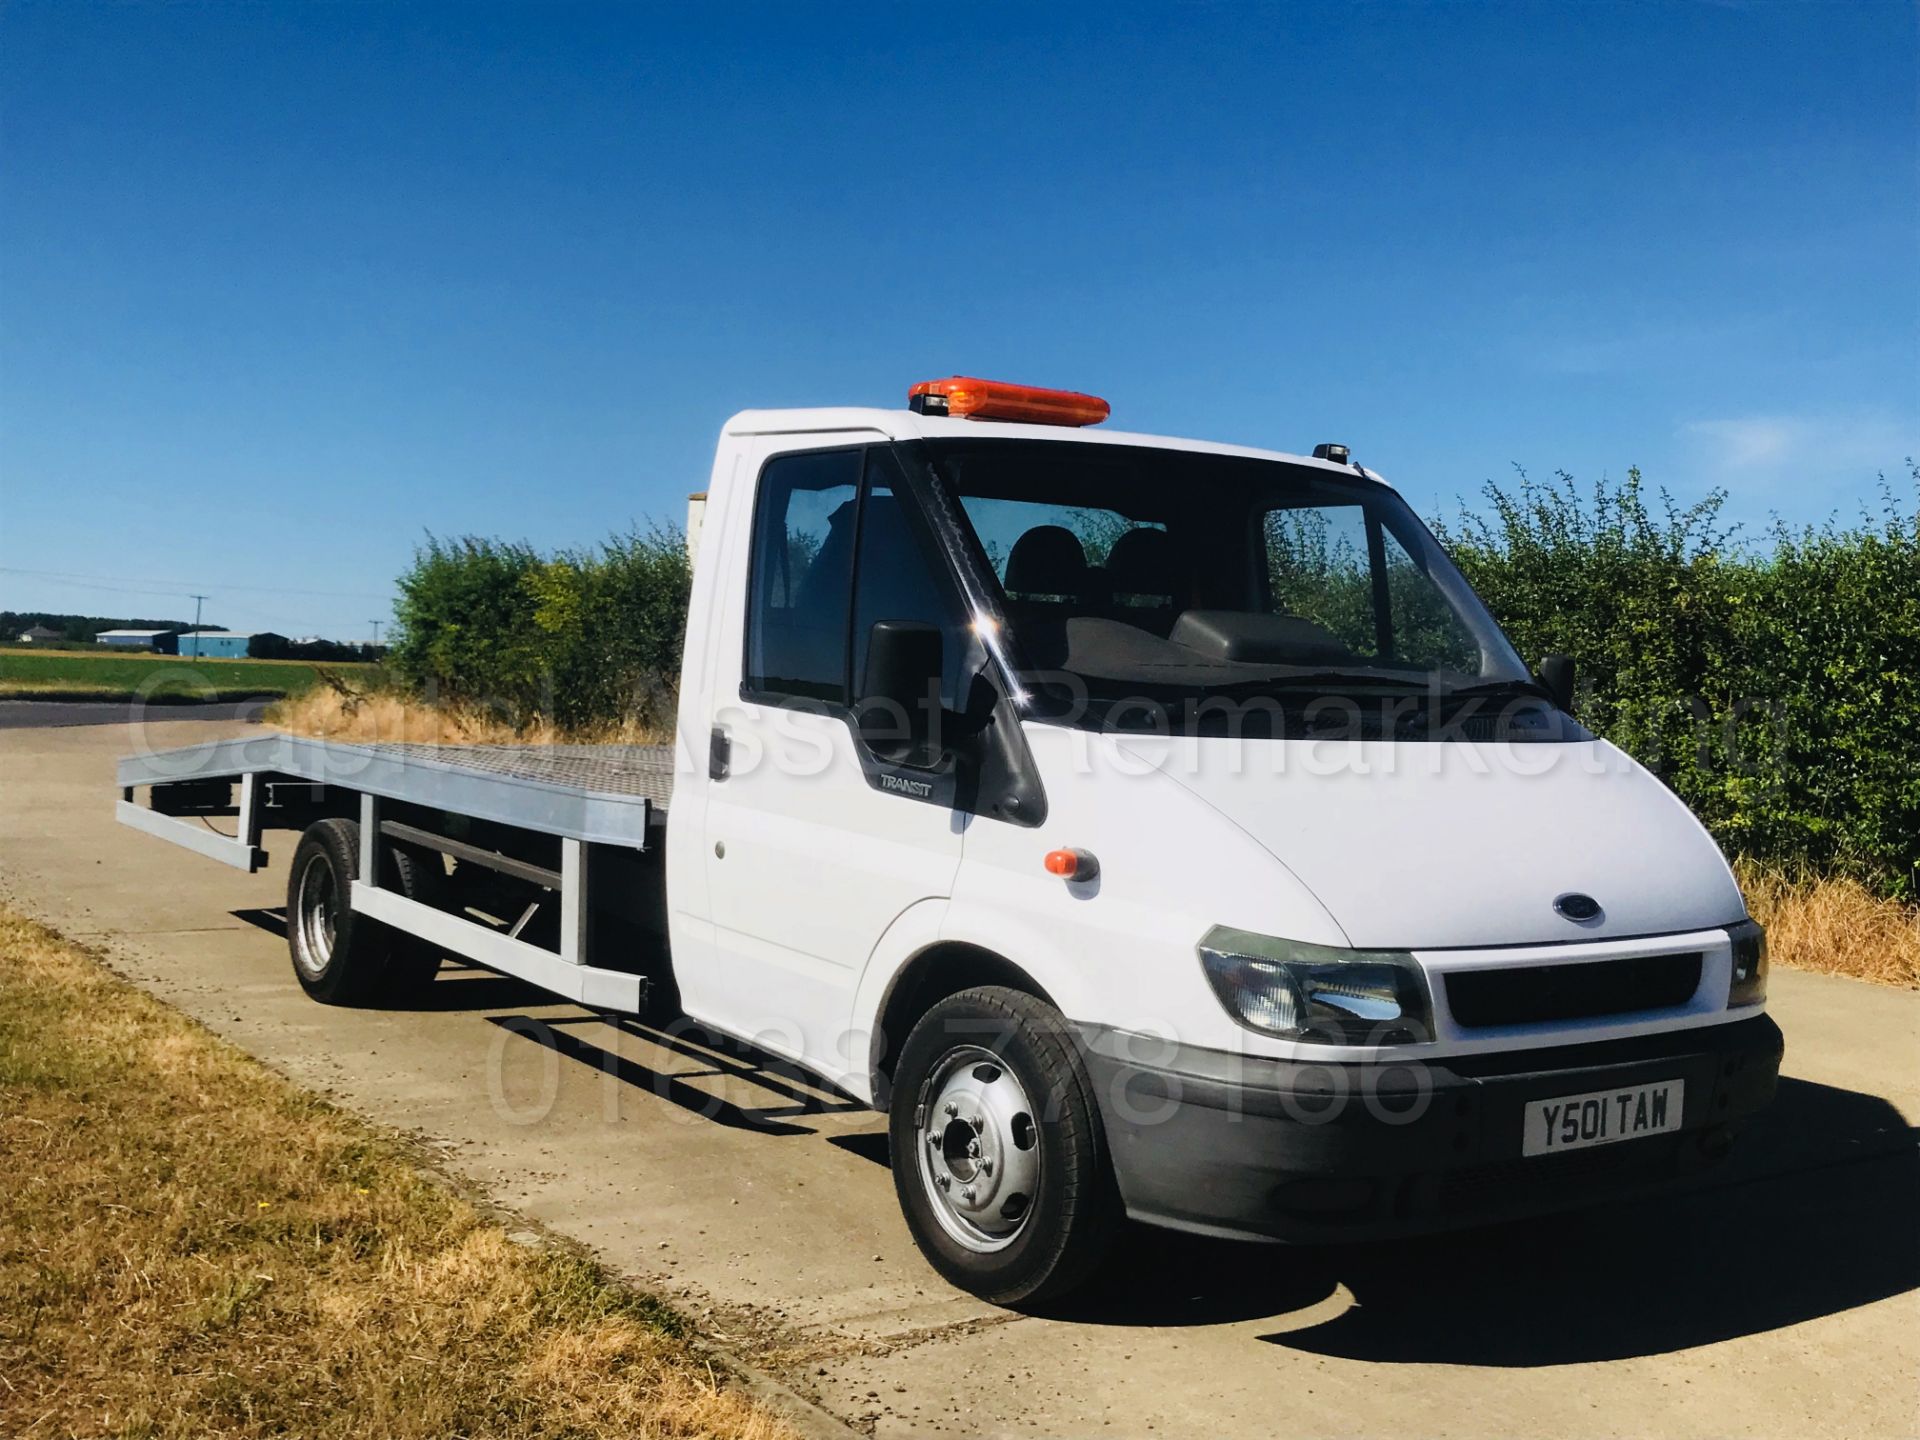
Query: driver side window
{"points": [[834, 551], [898, 577], [803, 539]]}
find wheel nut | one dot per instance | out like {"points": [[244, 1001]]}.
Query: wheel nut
{"points": [[952, 1109], [986, 1167], [966, 1193], [945, 1182]]}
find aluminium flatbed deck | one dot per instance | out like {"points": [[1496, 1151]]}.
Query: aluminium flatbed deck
{"points": [[585, 795], [604, 794]]}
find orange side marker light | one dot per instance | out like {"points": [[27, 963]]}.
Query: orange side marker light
{"points": [[1072, 864]]}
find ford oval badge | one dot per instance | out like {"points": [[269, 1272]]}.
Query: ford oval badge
{"points": [[1576, 906]]}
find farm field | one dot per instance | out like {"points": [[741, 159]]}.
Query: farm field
{"points": [[82, 675]]}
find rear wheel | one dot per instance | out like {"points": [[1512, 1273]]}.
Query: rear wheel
{"points": [[999, 1158], [341, 957], [412, 962]]}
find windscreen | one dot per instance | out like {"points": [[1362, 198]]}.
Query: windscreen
{"points": [[1148, 588]]}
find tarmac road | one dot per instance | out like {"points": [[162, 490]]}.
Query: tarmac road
{"points": [[1782, 1301], [42, 714]]}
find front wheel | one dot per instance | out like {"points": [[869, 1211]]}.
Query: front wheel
{"points": [[999, 1158]]}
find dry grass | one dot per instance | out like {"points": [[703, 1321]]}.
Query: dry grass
{"points": [[334, 711], [192, 1246], [1834, 926]]}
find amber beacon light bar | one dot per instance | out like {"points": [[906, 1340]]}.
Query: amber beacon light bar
{"points": [[998, 400]]}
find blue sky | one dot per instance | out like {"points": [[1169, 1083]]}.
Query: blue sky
{"points": [[284, 287]]}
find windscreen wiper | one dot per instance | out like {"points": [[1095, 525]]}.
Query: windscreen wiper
{"points": [[1495, 689], [1320, 678]]}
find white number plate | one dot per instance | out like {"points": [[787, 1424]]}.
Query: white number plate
{"points": [[1573, 1122]]}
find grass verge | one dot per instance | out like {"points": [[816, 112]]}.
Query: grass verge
{"points": [[1834, 926], [192, 1246]]}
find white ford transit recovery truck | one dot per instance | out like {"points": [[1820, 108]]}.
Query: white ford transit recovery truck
{"points": [[1151, 828]]}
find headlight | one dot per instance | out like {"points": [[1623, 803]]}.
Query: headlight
{"points": [[1749, 964], [1318, 993]]}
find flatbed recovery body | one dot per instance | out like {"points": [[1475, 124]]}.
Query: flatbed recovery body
{"points": [[544, 813]]}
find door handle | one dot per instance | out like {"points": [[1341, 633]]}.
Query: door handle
{"points": [[719, 754]]}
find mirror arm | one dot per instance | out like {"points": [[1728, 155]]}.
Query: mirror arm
{"points": [[1556, 675]]}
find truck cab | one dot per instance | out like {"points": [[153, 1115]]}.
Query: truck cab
{"points": [[1163, 829]]}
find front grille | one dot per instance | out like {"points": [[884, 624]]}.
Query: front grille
{"points": [[1532, 994]]}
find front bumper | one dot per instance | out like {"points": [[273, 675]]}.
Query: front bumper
{"points": [[1227, 1144]]}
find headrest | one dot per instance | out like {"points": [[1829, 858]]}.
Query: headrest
{"points": [[1047, 560], [1141, 563]]}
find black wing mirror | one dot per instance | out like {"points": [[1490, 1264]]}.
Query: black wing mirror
{"points": [[1556, 674], [900, 691]]}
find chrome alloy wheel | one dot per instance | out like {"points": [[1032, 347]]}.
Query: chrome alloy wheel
{"points": [[317, 912], [979, 1150]]}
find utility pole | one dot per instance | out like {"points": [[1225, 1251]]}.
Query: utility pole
{"points": [[196, 625], [376, 633]]}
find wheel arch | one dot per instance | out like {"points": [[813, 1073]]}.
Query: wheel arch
{"points": [[928, 976]]}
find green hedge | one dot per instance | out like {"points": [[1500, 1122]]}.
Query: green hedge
{"points": [[581, 638], [1775, 684]]}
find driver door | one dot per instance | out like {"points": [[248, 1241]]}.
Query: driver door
{"points": [[809, 855]]}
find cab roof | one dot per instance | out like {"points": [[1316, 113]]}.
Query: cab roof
{"points": [[906, 425]]}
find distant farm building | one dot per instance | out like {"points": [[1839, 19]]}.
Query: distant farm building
{"points": [[215, 644], [39, 635], [161, 640]]}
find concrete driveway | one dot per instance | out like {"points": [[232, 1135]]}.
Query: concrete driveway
{"points": [[1782, 1301]]}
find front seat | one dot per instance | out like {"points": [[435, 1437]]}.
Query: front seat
{"points": [[1047, 582], [1048, 567], [1142, 577]]}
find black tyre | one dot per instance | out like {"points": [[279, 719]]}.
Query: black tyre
{"points": [[412, 963], [341, 957], [999, 1158]]}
